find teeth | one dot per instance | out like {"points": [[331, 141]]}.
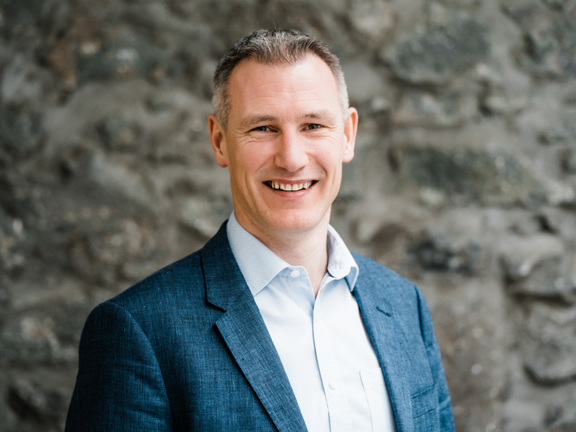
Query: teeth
{"points": [[290, 187]]}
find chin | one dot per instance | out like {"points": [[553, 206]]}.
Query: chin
{"points": [[295, 223]]}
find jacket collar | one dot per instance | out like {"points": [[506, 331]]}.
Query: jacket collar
{"points": [[246, 335], [384, 325]]}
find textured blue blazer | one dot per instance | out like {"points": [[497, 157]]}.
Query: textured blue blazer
{"points": [[186, 349]]}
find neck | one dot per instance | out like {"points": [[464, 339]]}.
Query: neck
{"points": [[306, 249], [309, 252]]}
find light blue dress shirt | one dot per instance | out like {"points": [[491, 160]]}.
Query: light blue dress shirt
{"points": [[321, 341]]}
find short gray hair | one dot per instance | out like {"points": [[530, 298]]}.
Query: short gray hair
{"points": [[272, 47]]}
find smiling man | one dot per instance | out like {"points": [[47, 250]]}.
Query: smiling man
{"points": [[274, 325], [284, 140]]}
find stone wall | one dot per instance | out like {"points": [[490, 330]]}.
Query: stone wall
{"points": [[464, 178]]}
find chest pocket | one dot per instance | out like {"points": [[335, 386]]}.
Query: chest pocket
{"points": [[425, 410]]}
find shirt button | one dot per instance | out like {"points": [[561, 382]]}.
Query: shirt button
{"points": [[295, 273], [333, 385]]}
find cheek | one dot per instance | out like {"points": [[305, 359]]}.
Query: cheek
{"points": [[330, 161], [247, 164], [259, 157]]}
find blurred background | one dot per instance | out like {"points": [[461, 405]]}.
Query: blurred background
{"points": [[464, 178]]}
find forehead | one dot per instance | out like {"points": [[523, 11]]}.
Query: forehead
{"points": [[256, 85]]}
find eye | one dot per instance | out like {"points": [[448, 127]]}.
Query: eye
{"points": [[313, 126], [261, 129]]}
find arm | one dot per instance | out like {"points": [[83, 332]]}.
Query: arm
{"points": [[119, 386], [432, 350]]}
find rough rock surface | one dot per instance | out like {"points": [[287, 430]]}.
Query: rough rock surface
{"points": [[464, 178]]}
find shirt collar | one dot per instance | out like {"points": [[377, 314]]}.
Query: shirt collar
{"points": [[259, 265], [341, 263]]}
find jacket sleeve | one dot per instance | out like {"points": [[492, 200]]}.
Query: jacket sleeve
{"points": [[119, 386], [433, 351]]}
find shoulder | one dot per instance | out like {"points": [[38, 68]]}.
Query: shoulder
{"points": [[169, 285], [382, 286], [377, 273], [182, 281]]}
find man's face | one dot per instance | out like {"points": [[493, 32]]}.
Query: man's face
{"points": [[284, 145]]}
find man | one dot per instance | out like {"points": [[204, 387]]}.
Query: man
{"points": [[274, 324]]}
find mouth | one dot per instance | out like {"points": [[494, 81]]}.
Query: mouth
{"points": [[290, 187]]}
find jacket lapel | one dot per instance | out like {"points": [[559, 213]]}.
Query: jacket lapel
{"points": [[384, 326], [246, 335]]}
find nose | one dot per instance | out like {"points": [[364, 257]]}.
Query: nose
{"points": [[291, 152]]}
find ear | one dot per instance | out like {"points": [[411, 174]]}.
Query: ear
{"points": [[218, 141], [350, 129]]}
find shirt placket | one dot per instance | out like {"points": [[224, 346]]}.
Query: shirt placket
{"points": [[336, 398]]}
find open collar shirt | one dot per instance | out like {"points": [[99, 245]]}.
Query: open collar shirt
{"points": [[321, 341]]}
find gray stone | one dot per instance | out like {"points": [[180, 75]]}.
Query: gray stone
{"points": [[549, 36], [526, 13], [110, 254], [570, 98], [19, 130], [426, 109], [373, 19], [519, 256], [463, 178], [468, 174], [563, 133], [563, 426], [547, 280], [462, 3], [498, 101], [568, 161], [561, 416], [561, 5], [201, 216], [41, 330], [21, 81], [549, 344], [116, 133], [441, 52], [17, 14], [13, 247], [35, 402], [556, 221], [123, 56], [538, 266], [466, 312], [107, 178], [551, 52], [33, 341], [365, 83], [441, 254]]}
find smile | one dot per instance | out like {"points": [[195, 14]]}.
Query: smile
{"points": [[289, 187]]}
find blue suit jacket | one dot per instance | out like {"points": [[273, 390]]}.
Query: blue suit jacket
{"points": [[186, 349]]}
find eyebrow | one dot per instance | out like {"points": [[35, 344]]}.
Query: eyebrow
{"points": [[252, 120], [256, 119], [324, 114]]}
